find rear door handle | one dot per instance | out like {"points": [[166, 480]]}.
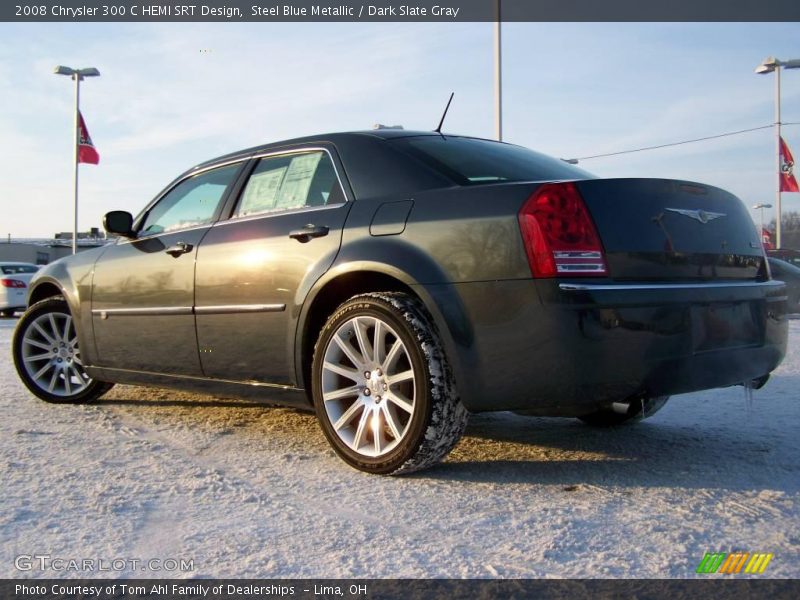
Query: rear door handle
{"points": [[309, 231], [178, 249]]}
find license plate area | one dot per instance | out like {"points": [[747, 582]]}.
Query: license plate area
{"points": [[720, 326]]}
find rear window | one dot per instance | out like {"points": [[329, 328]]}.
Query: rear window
{"points": [[470, 161], [17, 269]]}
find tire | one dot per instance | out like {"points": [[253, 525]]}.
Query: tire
{"points": [[637, 410], [406, 416], [47, 356]]}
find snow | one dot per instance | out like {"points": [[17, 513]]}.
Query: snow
{"points": [[248, 491]]}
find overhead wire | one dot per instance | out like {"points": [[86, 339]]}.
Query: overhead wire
{"points": [[680, 143]]}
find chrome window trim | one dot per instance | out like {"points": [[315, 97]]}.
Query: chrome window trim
{"points": [[234, 219], [288, 211], [302, 151], [158, 198], [276, 213], [155, 236], [199, 170], [593, 287]]}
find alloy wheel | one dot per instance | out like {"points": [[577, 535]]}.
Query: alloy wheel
{"points": [[51, 356], [368, 386]]}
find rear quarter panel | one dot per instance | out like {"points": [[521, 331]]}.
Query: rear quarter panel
{"points": [[452, 236]]}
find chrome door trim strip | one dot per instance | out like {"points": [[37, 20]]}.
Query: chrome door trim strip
{"points": [[225, 309], [228, 309], [104, 313], [592, 287]]}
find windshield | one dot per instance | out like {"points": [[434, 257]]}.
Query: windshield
{"points": [[470, 161]]}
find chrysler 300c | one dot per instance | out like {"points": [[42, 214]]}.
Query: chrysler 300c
{"points": [[396, 281]]}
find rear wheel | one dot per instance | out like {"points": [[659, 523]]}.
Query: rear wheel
{"points": [[629, 411], [383, 391], [47, 356]]}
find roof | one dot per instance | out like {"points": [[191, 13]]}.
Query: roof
{"points": [[331, 138]]}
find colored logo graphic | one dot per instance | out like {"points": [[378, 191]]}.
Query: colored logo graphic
{"points": [[735, 562]]}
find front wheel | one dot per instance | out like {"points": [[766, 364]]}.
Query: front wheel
{"points": [[630, 411], [383, 391], [47, 356]]}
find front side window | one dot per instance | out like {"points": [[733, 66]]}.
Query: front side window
{"points": [[290, 181], [191, 203]]}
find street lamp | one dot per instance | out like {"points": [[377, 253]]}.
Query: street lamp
{"points": [[498, 75], [77, 76], [769, 65], [761, 207]]}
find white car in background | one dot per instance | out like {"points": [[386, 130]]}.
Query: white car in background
{"points": [[14, 280]]}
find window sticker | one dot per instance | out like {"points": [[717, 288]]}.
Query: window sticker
{"points": [[294, 191], [262, 191]]}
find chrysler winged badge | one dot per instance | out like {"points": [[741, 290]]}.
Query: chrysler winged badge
{"points": [[703, 216]]}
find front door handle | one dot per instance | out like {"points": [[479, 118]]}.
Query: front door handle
{"points": [[178, 249], [309, 231]]}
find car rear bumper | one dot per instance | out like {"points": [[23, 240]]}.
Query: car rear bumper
{"points": [[13, 299], [565, 348]]}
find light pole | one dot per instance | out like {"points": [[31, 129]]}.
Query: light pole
{"points": [[761, 207], [769, 65], [77, 76], [498, 78]]}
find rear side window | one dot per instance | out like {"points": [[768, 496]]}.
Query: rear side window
{"points": [[18, 269], [469, 161], [290, 181]]}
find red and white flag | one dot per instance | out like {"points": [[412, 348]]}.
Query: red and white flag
{"points": [[788, 182], [87, 153], [766, 239]]}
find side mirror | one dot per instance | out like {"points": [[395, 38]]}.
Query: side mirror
{"points": [[119, 222]]}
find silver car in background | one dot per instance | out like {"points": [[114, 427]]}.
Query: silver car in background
{"points": [[14, 280]]}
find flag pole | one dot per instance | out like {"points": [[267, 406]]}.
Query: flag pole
{"points": [[498, 76], [76, 155], [778, 227], [77, 75]]}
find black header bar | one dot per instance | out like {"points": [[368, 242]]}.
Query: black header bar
{"points": [[239, 11]]}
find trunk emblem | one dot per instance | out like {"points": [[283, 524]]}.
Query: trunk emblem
{"points": [[698, 215]]}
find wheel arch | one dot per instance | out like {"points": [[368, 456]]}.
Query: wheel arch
{"points": [[340, 284], [71, 279], [46, 289]]}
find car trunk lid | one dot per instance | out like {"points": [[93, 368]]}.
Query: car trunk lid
{"points": [[660, 229]]}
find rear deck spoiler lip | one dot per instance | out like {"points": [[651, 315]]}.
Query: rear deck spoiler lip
{"points": [[591, 287]]}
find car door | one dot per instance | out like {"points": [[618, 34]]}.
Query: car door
{"points": [[143, 288], [254, 268]]}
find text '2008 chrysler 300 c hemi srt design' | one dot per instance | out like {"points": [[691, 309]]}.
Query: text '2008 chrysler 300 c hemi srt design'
{"points": [[395, 281]]}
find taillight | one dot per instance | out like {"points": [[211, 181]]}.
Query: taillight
{"points": [[12, 283], [559, 235]]}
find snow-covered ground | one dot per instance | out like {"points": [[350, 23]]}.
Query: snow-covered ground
{"points": [[248, 491]]}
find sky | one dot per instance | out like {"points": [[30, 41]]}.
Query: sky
{"points": [[172, 95]]}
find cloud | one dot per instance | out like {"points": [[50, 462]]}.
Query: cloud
{"points": [[172, 95]]}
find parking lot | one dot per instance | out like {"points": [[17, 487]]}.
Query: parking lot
{"points": [[247, 491]]}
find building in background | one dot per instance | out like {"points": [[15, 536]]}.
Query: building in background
{"points": [[42, 251]]}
